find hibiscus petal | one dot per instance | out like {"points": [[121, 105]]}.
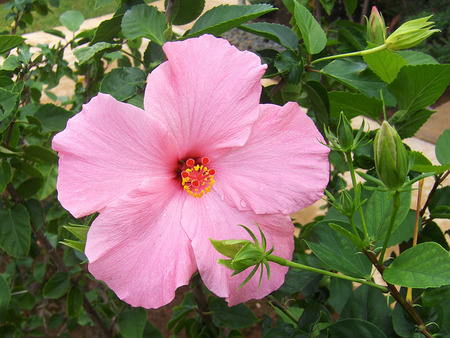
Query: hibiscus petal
{"points": [[209, 217], [106, 150], [138, 247], [283, 167], [207, 94]]}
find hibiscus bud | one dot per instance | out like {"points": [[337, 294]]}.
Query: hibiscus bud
{"points": [[348, 205], [248, 256], [391, 158], [410, 34], [345, 133], [229, 247], [376, 29]]}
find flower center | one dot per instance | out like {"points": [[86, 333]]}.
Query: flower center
{"points": [[196, 178]]}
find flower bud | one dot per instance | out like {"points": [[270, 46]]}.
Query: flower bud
{"points": [[410, 34], [229, 247], [348, 205], [391, 158], [345, 133], [376, 29], [249, 255]]}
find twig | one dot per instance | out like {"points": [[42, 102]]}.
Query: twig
{"points": [[364, 12], [276, 303], [438, 181], [200, 298], [398, 297]]}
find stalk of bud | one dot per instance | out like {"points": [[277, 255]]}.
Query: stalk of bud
{"points": [[391, 158]]}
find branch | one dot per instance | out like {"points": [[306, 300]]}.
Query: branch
{"points": [[398, 297]]}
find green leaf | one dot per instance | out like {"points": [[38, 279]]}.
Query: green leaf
{"points": [[72, 20], [79, 231], [39, 271], [144, 21], [353, 327], [80, 246], [407, 123], [8, 107], [386, 64], [320, 104], [107, 30], [5, 297], [337, 251], [350, 6], [340, 292], [417, 87], [8, 42], [84, 54], [15, 231], [369, 304], [355, 75], [234, 317], [433, 233], [55, 32], [30, 187], [313, 35], [281, 34], [185, 11], [123, 83], [291, 65], [50, 173], [425, 265], [431, 297], [423, 165], [378, 213], [328, 5], [57, 286], [416, 58], [41, 153], [222, 18], [74, 302], [443, 147], [102, 3], [179, 312], [11, 63], [132, 322], [52, 117], [5, 175], [354, 104]]}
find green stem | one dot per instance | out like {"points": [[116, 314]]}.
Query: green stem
{"points": [[395, 207], [361, 213], [276, 303], [359, 53], [285, 262], [352, 223]]}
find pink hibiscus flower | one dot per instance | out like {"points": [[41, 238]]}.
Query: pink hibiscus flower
{"points": [[201, 158]]}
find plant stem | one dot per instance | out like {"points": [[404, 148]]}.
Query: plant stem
{"points": [[276, 303], [202, 303], [285, 262], [398, 297], [439, 180], [361, 213], [395, 208], [359, 53]]}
